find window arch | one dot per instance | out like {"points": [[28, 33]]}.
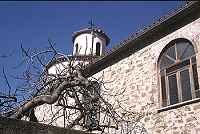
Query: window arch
{"points": [[178, 73], [76, 48], [98, 48]]}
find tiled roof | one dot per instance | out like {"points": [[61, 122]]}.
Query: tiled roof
{"points": [[154, 24], [164, 26]]}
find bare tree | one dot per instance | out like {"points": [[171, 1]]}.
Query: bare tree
{"points": [[68, 89]]}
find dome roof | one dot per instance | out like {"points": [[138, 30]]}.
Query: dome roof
{"points": [[89, 30]]}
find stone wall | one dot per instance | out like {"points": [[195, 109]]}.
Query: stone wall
{"points": [[134, 82], [12, 126], [138, 75]]}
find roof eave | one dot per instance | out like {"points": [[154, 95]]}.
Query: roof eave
{"points": [[89, 31], [172, 23]]}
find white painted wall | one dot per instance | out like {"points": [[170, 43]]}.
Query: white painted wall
{"points": [[62, 67], [85, 45], [58, 68]]}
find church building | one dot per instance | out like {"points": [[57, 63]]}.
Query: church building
{"points": [[157, 69]]}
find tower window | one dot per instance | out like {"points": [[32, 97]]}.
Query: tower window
{"points": [[98, 46], [76, 48], [178, 73]]}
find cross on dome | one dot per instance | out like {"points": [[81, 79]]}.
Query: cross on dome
{"points": [[91, 23]]}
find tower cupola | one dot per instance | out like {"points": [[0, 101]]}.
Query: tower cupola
{"points": [[90, 41]]}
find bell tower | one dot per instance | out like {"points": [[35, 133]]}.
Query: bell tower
{"points": [[90, 41]]}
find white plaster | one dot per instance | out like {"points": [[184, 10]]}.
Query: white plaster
{"points": [[85, 47]]}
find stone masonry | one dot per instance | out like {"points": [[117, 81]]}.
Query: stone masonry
{"points": [[138, 76], [133, 83]]}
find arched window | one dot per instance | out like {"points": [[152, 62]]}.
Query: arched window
{"points": [[76, 48], [98, 46], [178, 73]]}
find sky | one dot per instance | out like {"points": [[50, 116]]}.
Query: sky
{"points": [[32, 23]]}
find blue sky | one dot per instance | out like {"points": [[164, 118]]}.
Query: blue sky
{"points": [[32, 23]]}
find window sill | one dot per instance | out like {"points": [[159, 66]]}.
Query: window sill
{"points": [[178, 105]]}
